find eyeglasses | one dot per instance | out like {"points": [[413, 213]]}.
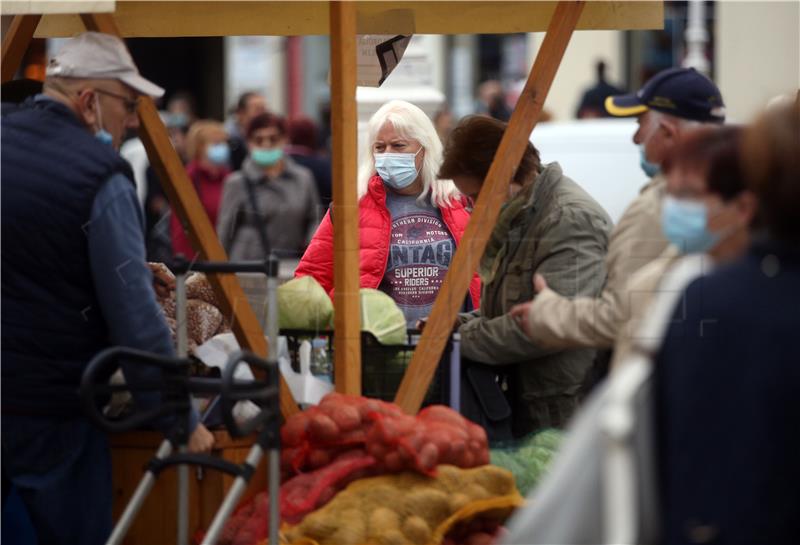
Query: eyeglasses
{"points": [[130, 104]]}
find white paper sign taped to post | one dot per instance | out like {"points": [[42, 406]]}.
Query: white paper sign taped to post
{"points": [[378, 55]]}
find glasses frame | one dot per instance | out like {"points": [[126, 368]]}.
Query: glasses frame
{"points": [[130, 105]]}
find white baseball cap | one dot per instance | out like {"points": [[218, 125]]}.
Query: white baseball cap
{"points": [[96, 55]]}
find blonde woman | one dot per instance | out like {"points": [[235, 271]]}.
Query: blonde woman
{"points": [[209, 156], [410, 222]]}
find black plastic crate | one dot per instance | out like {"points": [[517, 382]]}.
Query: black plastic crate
{"points": [[383, 367]]}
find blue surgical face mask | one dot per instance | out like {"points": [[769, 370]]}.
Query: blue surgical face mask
{"points": [[397, 170], [104, 136], [178, 119], [685, 224], [218, 154], [651, 169], [101, 134], [266, 157]]}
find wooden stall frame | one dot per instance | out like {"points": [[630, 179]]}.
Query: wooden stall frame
{"points": [[347, 301], [347, 18], [15, 43]]}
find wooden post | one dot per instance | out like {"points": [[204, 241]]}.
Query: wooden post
{"points": [[347, 322], [186, 203], [16, 42], [426, 357]]}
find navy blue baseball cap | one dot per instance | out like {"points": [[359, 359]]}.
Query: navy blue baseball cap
{"points": [[682, 92]]}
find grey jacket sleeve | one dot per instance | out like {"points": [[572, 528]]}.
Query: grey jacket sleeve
{"points": [[570, 257]]}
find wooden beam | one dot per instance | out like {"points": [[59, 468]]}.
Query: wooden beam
{"points": [[29, 7], [185, 202], [100, 22], [347, 320], [15, 43], [484, 216], [294, 18]]}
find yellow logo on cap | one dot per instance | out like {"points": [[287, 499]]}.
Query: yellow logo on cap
{"points": [[662, 102]]}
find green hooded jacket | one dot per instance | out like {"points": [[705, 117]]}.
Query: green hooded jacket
{"points": [[552, 227]]}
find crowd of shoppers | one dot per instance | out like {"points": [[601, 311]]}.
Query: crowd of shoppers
{"points": [[558, 294]]}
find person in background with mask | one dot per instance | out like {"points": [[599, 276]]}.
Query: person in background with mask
{"points": [[74, 282], [410, 222], [180, 108], [207, 145], [670, 103], [707, 210], [272, 202]]}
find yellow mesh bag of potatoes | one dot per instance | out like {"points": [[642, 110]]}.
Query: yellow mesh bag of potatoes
{"points": [[408, 508]]}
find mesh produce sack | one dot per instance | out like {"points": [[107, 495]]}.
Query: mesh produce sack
{"points": [[529, 458], [409, 508], [304, 304], [437, 435], [299, 496]]}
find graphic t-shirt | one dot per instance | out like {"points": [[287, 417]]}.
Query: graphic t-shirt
{"points": [[420, 254]]}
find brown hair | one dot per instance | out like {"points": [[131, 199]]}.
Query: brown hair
{"points": [[265, 121], [771, 157], [714, 152], [471, 147], [200, 133]]}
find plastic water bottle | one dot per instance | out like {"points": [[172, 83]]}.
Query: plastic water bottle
{"points": [[321, 366]]}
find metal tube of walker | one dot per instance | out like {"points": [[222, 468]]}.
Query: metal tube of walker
{"points": [[274, 464], [136, 501], [455, 373], [183, 349], [231, 499]]}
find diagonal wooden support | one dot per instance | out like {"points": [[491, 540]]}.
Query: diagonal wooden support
{"points": [[15, 43], [426, 357], [347, 320], [100, 22], [187, 205]]}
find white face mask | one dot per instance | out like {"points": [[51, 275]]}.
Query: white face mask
{"points": [[397, 170]]}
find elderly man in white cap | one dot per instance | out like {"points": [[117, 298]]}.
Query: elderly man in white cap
{"points": [[74, 281]]}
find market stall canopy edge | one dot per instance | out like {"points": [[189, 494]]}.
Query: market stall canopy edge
{"points": [[272, 18]]}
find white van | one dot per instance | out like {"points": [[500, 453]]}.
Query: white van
{"points": [[598, 154]]}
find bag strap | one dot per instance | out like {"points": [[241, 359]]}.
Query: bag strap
{"points": [[261, 224]]}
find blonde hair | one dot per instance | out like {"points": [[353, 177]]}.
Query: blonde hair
{"points": [[410, 122], [200, 133]]}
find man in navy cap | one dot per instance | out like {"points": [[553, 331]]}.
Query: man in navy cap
{"points": [[74, 282], [667, 105]]}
